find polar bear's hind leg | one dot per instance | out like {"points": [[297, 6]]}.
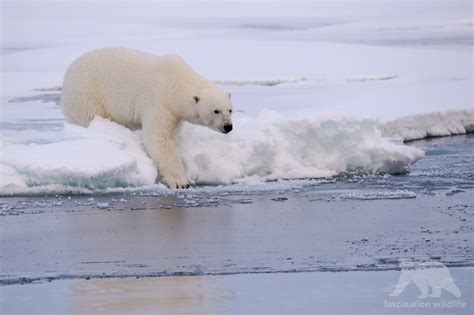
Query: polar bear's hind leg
{"points": [[80, 99]]}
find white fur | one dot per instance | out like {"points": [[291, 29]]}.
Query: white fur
{"points": [[137, 89]]}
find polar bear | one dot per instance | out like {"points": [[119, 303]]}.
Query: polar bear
{"points": [[141, 90]]}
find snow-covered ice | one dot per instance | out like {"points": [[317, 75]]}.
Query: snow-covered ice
{"points": [[265, 150], [436, 124], [319, 88], [107, 155]]}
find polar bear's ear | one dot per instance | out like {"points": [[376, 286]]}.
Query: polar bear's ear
{"points": [[229, 95], [196, 98]]}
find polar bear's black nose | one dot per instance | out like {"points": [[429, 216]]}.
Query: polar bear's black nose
{"points": [[227, 128]]}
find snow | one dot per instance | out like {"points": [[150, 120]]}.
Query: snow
{"points": [[105, 155], [108, 155], [265, 148], [436, 124], [319, 88]]}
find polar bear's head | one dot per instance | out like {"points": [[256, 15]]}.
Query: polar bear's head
{"points": [[214, 109]]}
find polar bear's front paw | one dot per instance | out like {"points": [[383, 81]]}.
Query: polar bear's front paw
{"points": [[177, 184]]}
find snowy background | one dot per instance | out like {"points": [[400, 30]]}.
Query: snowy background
{"points": [[319, 88]]}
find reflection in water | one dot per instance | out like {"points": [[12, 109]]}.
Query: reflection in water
{"points": [[166, 295]]}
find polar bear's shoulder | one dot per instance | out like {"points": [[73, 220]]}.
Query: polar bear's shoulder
{"points": [[172, 59], [172, 63], [175, 65]]}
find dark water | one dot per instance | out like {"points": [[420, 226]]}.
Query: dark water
{"points": [[348, 223]]}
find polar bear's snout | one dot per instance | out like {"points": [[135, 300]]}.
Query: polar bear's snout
{"points": [[227, 128], [227, 121]]}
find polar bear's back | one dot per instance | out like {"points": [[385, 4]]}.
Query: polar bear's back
{"points": [[115, 82]]}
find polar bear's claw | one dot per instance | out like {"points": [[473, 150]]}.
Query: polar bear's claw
{"points": [[182, 186]]}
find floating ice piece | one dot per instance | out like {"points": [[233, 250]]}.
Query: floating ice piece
{"points": [[376, 195], [103, 205]]}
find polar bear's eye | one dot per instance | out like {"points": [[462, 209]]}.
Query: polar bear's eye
{"points": [[216, 112], [230, 111]]}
